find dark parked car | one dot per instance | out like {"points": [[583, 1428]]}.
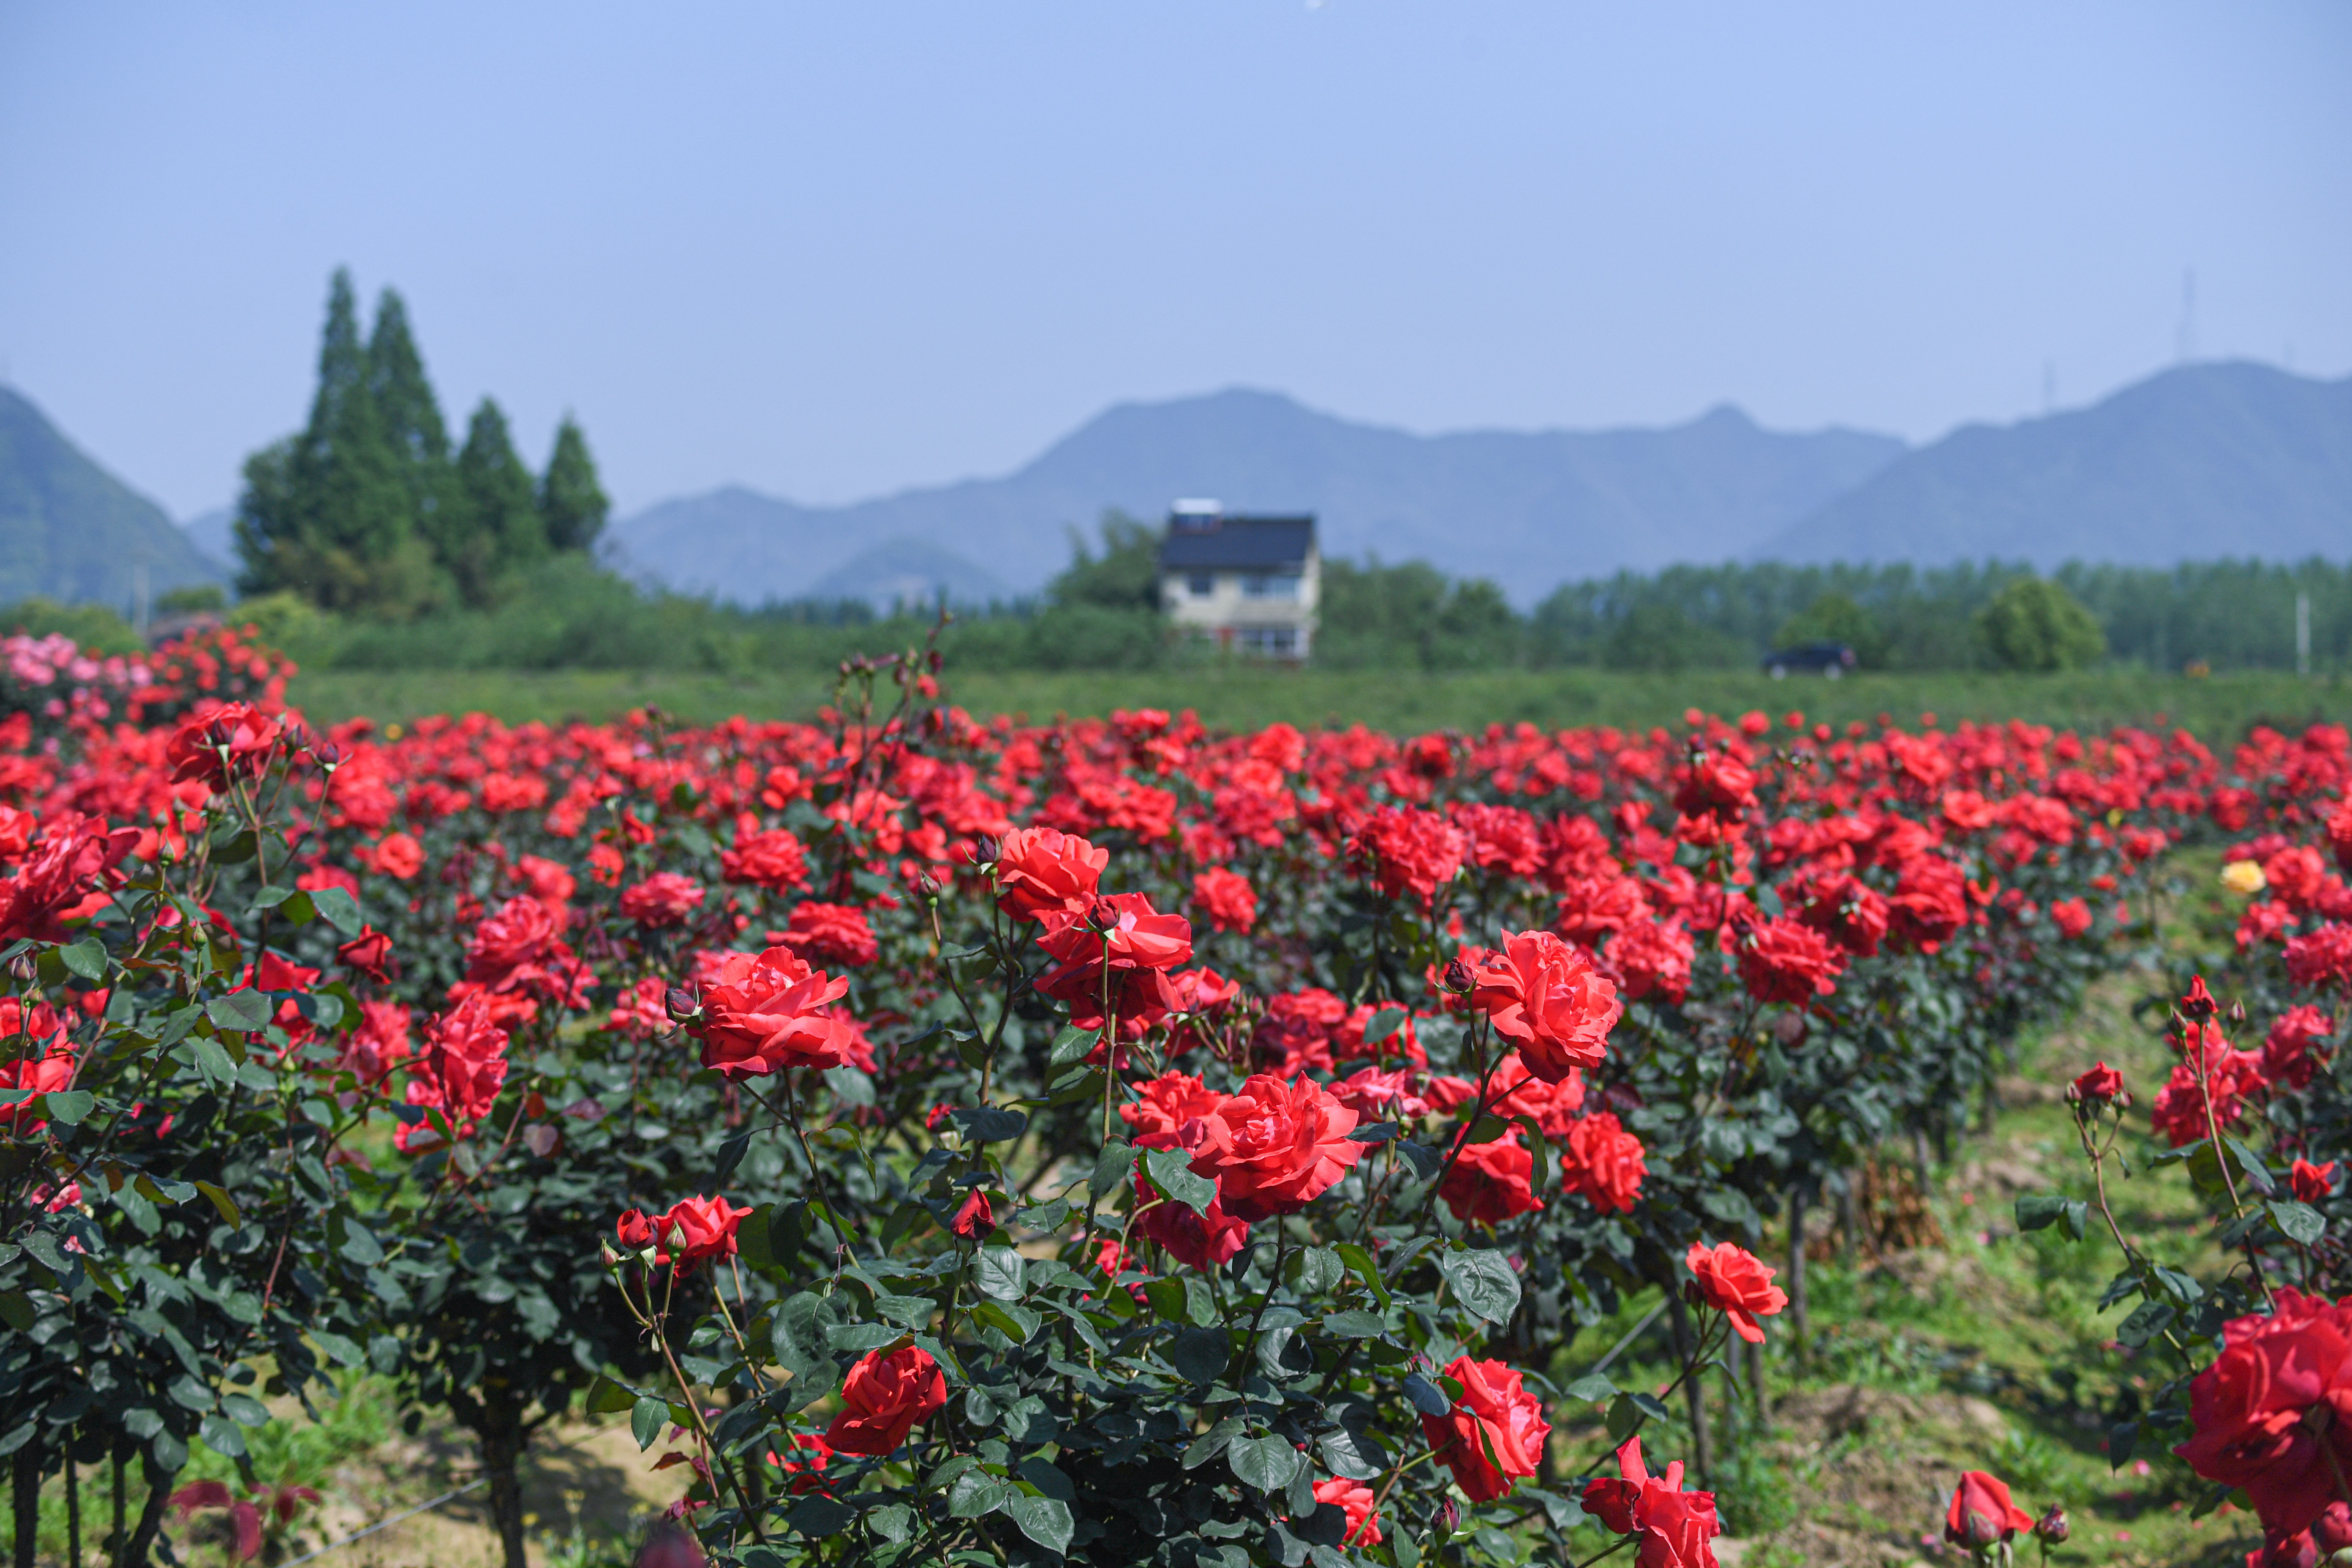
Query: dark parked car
{"points": [[1830, 658]]}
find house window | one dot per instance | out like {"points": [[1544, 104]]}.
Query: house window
{"points": [[1200, 584], [1270, 585], [1274, 642]]}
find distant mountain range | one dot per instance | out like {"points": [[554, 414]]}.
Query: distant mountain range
{"points": [[2199, 461], [71, 531]]}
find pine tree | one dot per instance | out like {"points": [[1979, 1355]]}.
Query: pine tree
{"points": [[502, 533], [572, 504]]}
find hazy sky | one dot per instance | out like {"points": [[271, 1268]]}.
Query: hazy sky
{"points": [[830, 250]]}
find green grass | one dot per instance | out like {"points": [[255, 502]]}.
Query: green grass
{"points": [[2219, 708]]}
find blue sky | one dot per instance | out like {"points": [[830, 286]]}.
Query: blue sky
{"points": [[831, 250]]}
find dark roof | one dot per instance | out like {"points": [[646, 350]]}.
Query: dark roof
{"points": [[1239, 542]]}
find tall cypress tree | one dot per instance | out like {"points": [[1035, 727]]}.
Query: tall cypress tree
{"points": [[413, 424], [572, 504], [502, 532], [327, 514]]}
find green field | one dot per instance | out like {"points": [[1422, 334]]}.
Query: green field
{"points": [[2219, 709]]}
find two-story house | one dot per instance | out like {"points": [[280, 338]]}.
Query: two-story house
{"points": [[1252, 583]]}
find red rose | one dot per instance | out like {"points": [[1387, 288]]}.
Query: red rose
{"points": [[2339, 835], [1604, 1163], [831, 934], [1489, 1181], [232, 742], [42, 1075], [2312, 1183], [1123, 930], [379, 1044], [2322, 957], [2071, 915], [1204, 1240], [1227, 898], [1676, 1527], [1736, 1283], [664, 899], [1981, 1513], [1547, 997], [976, 1219], [775, 861], [882, 1398], [1494, 1414], [510, 944], [696, 1228], [1931, 902], [460, 1070], [1274, 1147], [767, 1013], [1786, 961], [1409, 851], [2252, 1409], [369, 953], [1354, 1500], [60, 879], [1168, 1103], [1653, 956], [1716, 785], [400, 855], [1848, 913], [2293, 1052], [2099, 1086], [810, 1454], [1040, 871]]}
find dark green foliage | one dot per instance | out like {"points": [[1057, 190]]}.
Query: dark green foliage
{"points": [[572, 504], [2037, 625], [1834, 618], [499, 530], [1126, 576], [91, 626], [1412, 617], [197, 599]]}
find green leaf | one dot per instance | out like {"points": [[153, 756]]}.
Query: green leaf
{"points": [[892, 1521], [1039, 1472], [337, 909], [986, 1124], [1170, 1170], [1623, 1416], [1015, 1322], [2298, 1222], [1483, 1282], [975, 1493], [243, 1011], [1200, 1355], [86, 958], [299, 909], [1069, 1046], [1314, 1270], [815, 1515], [1592, 1388], [1211, 1443], [2038, 1211], [1426, 1396], [1001, 1272], [17, 1310], [1044, 1519], [1361, 1261], [1112, 1168], [221, 1201], [1383, 1024], [1355, 1325], [1342, 1456], [646, 1419], [68, 1105], [1266, 1463]]}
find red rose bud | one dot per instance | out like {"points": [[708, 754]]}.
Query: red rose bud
{"points": [[1457, 977], [2199, 1006], [681, 1004], [2100, 1086], [2312, 1183], [984, 852], [929, 885], [2052, 1526], [976, 1219], [368, 953], [1981, 1513]]}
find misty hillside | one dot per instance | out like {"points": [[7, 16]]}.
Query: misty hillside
{"points": [[2209, 461], [1527, 510], [71, 531]]}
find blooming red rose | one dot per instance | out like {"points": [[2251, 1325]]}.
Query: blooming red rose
{"points": [[664, 899], [459, 1070], [1981, 1513], [1354, 1500], [2100, 1086], [1849, 912], [511, 945], [2253, 1410], [883, 1399], [1204, 1240], [1604, 1163], [2180, 1108], [1736, 1282], [1786, 961], [2323, 957], [2312, 1183], [771, 1012], [1040, 871], [976, 1219], [1931, 902], [1716, 785], [774, 859], [2071, 915], [399, 855], [1547, 997], [379, 1044], [233, 742], [1274, 1147], [1677, 1528], [1167, 1102], [2293, 1050], [62, 877], [1653, 956], [1227, 898], [694, 1228], [1409, 851], [1494, 1415], [831, 934], [1123, 930], [1490, 1182]]}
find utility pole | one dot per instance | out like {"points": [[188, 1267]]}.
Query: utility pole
{"points": [[2303, 634]]}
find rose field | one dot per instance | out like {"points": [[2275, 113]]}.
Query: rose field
{"points": [[902, 1137]]}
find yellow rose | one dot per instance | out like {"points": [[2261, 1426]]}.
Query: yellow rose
{"points": [[2243, 878]]}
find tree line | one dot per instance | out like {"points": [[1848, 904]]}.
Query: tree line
{"points": [[367, 511]]}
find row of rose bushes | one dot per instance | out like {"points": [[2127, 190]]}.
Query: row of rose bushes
{"points": [[998, 1142]]}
